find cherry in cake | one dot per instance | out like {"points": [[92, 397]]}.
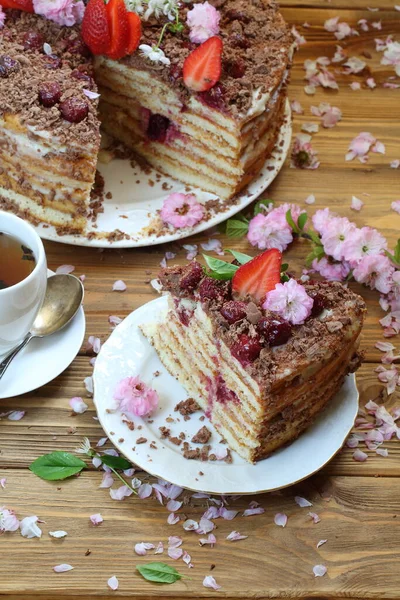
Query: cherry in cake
{"points": [[260, 375]]}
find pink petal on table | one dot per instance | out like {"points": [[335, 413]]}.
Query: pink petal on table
{"points": [[249, 512], [170, 255], [96, 519], [319, 570], [310, 199], [212, 512], [174, 505], [175, 553], [382, 452], [3, 481], [120, 493], [310, 127], [321, 543], [370, 81], [142, 547], [356, 203], [173, 519], [378, 148], [302, 502], [174, 491], [29, 527], [119, 286], [213, 245], [163, 263], [113, 583], [191, 251], [190, 525], [58, 534], [280, 519], [78, 405], [352, 442], [82, 278], [226, 514], [62, 568], [296, 107], [114, 320], [187, 559], [209, 582], [174, 541], [395, 164], [129, 472], [88, 382], [101, 442], [211, 540], [65, 269], [384, 347], [145, 490], [396, 206], [355, 85], [94, 343], [96, 462], [235, 535], [160, 548], [359, 455], [205, 526], [16, 415], [316, 519]]}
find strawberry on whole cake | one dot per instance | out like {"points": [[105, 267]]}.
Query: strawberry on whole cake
{"points": [[260, 356], [197, 89]]}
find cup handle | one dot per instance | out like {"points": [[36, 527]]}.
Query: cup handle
{"points": [[6, 362]]}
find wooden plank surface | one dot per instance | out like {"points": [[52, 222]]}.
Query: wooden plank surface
{"points": [[360, 521]]}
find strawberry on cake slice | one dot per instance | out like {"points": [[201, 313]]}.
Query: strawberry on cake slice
{"points": [[260, 352]]}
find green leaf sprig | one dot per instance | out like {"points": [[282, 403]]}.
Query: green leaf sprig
{"points": [[238, 226], [159, 572], [395, 257]]}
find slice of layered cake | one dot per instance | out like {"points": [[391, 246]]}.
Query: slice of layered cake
{"points": [[49, 129], [261, 358]]}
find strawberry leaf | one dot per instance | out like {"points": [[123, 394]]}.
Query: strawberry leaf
{"points": [[56, 466], [219, 269]]}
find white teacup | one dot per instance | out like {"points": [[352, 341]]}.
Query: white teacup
{"points": [[20, 303]]}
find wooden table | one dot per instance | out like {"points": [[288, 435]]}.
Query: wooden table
{"points": [[361, 521]]}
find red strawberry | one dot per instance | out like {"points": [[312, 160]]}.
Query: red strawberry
{"points": [[95, 30], [25, 5], [259, 275], [135, 32], [202, 68], [118, 23]]}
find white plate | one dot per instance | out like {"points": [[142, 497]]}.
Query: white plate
{"points": [[43, 359], [133, 205], [128, 353]]}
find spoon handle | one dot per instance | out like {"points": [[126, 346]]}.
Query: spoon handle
{"points": [[6, 362]]}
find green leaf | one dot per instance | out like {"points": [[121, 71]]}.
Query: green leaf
{"points": [[159, 572], [116, 462], [314, 237], [302, 220], [397, 252], [290, 221], [317, 252], [57, 465], [284, 267], [284, 278], [240, 257], [219, 269], [258, 207], [236, 228]]}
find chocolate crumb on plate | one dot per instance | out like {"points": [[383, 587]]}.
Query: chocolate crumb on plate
{"points": [[187, 407], [165, 432], [190, 453], [202, 436], [175, 440], [141, 440]]}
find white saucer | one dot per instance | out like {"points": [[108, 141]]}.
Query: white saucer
{"points": [[128, 353], [43, 359]]}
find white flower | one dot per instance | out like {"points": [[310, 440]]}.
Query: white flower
{"points": [[154, 54], [161, 7], [170, 9], [84, 447], [134, 6]]}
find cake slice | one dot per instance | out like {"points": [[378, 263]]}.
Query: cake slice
{"points": [[49, 129], [260, 379]]}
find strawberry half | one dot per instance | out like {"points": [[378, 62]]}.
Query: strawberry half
{"points": [[118, 24], [202, 68], [259, 276], [95, 29], [135, 32], [25, 5]]}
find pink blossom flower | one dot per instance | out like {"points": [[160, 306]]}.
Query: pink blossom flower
{"points": [[363, 242], [289, 300], [375, 271], [135, 397], [303, 155], [62, 12], [321, 218], [336, 232], [181, 210], [360, 146], [331, 271], [203, 21], [266, 234], [2, 18]]}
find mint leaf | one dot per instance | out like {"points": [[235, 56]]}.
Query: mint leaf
{"points": [[116, 462], [291, 223], [240, 257], [56, 466], [236, 228], [219, 269], [302, 220], [258, 207], [159, 572]]}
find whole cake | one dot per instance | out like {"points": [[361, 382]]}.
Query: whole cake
{"points": [[196, 89], [261, 358]]}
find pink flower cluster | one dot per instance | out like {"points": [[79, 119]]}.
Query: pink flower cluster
{"points": [[203, 21], [62, 12], [272, 230], [135, 397], [181, 210]]}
